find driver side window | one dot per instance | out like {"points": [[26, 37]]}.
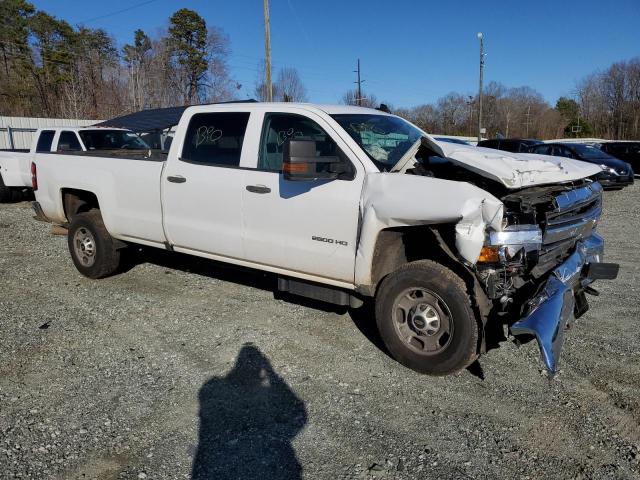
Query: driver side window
{"points": [[278, 128]]}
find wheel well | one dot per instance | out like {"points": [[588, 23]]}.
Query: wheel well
{"points": [[78, 201], [395, 247]]}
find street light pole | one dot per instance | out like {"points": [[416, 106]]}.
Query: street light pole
{"points": [[481, 38]]}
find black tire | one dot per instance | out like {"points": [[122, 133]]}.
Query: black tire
{"points": [[439, 335], [8, 194], [92, 249]]}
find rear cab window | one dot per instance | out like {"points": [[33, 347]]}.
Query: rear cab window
{"points": [[112, 140], [45, 140], [215, 138], [68, 142]]}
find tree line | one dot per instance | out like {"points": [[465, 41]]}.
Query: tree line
{"points": [[49, 68], [605, 104]]}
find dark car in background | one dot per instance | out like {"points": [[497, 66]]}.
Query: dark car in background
{"points": [[615, 173], [626, 151], [459, 141], [515, 145]]}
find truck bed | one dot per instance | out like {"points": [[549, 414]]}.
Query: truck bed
{"points": [[127, 190], [14, 167]]}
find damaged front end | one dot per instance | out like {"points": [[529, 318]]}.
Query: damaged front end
{"points": [[541, 264]]}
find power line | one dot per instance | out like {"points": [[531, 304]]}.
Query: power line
{"points": [[111, 14]]}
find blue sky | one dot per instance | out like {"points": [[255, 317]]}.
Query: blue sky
{"points": [[411, 52]]}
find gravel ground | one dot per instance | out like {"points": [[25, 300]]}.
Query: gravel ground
{"points": [[182, 368]]}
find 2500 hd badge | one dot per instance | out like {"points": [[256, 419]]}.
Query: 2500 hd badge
{"points": [[329, 240]]}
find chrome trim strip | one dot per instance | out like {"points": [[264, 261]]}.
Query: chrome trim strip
{"points": [[574, 198], [580, 229]]}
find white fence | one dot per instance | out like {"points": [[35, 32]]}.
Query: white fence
{"points": [[17, 132]]}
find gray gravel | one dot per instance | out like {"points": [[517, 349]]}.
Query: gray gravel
{"points": [[181, 368]]}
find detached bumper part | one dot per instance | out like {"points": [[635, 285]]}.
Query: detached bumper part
{"points": [[39, 214], [553, 308]]}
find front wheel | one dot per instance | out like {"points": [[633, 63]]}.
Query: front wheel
{"points": [[425, 318], [92, 249]]}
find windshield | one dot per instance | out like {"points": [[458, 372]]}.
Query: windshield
{"points": [[589, 153], [384, 138], [112, 140]]}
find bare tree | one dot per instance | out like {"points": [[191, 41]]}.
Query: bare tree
{"points": [[137, 58], [350, 97], [221, 87], [289, 86]]}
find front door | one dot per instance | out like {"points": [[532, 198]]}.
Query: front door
{"points": [[306, 226]]}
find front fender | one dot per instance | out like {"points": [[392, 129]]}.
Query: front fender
{"points": [[396, 200]]}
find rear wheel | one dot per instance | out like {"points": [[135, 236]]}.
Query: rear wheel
{"points": [[425, 318], [8, 194], [92, 248]]}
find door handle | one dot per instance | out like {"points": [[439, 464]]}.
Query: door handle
{"points": [[258, 189], [176, 179]]}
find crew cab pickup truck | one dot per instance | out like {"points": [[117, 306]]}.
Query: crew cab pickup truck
{"points": [[345, 204], [15, 173]]}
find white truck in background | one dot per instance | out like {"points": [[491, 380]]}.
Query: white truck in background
{"points": [[15, 164], [346, 204]]}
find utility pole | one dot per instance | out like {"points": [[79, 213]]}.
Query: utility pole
{"points": [[470, 103], [528, 115], [267, 52], [481, 38], [359, 82]]}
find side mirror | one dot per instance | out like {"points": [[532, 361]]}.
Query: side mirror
{"points": [[300, 162]]}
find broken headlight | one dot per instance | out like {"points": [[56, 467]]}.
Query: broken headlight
{"points": [[505, 245]]}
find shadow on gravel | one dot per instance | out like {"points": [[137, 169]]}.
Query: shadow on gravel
{"points": [[363, 317], [248, 420], [220, 271]]}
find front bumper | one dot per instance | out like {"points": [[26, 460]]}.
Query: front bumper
{"points": [[616, 181], [554, 307]]}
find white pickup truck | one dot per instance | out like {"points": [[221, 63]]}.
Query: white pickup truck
{"points": [[15, 165], [346, 204]]}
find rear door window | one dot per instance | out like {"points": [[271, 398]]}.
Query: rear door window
{"points": [[68, 142], [215, 138], [44, 141], [559, 151], [509, 146], [490, 144], [542, 150]]}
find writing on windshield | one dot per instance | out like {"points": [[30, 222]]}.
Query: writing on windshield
{"points": [[384, 138]]}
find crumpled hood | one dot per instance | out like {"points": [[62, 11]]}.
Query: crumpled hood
{"points": [[517, 170]]}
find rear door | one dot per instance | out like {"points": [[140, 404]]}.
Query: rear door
{"points": [[306, 226], [202, 188]]}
